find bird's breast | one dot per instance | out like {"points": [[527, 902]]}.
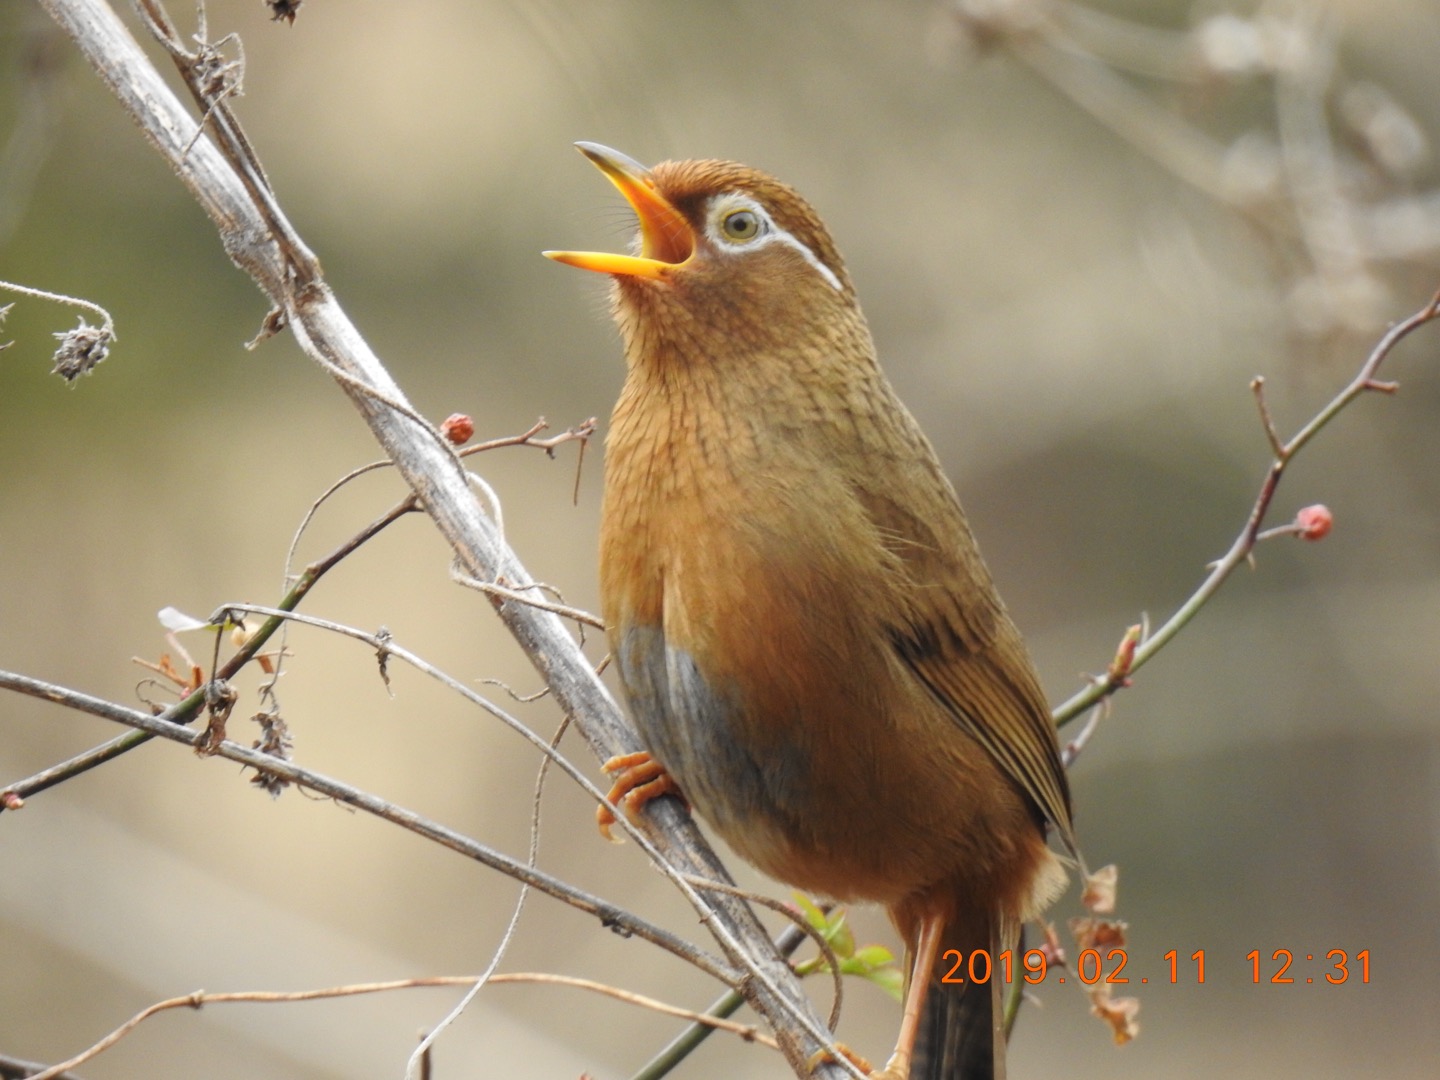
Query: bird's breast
{"points": [[743, 585]]}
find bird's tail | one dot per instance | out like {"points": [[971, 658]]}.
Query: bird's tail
{"points": [[962, 1030], [960, 1037]]}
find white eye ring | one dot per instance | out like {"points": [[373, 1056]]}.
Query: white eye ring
{"points": [[727, 208], [735, 221]]}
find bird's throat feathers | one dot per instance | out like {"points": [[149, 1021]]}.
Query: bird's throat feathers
{"points": [[759, 320]]}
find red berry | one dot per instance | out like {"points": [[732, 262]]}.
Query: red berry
{"points": [[458, 428], [1314, 522]]}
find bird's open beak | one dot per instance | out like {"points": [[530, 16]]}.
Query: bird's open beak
{"points": [[666, 239]]}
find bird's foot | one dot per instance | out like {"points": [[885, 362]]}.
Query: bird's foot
{"points": [[897, 1068], [821, 1056], [638, 779]]}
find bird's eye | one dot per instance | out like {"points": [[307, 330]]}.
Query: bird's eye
{"points": [[741, 225]]}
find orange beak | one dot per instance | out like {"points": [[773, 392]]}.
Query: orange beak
{"points": [[666, 239]]}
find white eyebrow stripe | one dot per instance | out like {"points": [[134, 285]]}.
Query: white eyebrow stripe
{"points": [[773, 235], [784, 237]]}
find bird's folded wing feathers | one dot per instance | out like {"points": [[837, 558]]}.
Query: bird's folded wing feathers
{"points": [[1003, 715], [960, 643]]}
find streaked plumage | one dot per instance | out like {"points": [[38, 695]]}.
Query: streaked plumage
{"points": [[805, 632]]}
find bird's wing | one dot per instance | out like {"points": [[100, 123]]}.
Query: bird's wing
{"points": [[953, 633], [994, 698]]}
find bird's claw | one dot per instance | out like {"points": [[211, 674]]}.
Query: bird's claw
{"points": [[841, 1050], [638, 779]]}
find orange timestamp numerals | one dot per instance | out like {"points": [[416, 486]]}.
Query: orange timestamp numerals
{"points": [[1336, 972], [1091, 966], [1094, 966]]}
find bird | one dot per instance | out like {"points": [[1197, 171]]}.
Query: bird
{"points": [[812, 651]]}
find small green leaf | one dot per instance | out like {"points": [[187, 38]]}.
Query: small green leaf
{"points": [[874, 956], [839, 935], [813, 915], [888, 979], [177, 621]]}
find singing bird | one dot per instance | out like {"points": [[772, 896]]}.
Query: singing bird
{"points": [[810, 646]]}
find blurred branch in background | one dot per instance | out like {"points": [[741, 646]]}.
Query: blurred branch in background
{"points": [[25, 150], [1325, 174]]}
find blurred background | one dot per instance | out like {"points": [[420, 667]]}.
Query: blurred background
{"points": [[1078, 232]]}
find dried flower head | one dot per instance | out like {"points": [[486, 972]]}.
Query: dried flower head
{"points": [[274, 740], [284, 9], [81, 349]]}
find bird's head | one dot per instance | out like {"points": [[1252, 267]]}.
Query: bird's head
{"points": [[725, 254]]}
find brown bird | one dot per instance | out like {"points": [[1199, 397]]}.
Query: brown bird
{"points": [[808, 640]]}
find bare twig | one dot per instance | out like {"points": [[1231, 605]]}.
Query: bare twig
{"points": [[82, 347], [270, 766], [201, 998], [185, 710], [108, 324], [580, 433], [418, 1067], [1074, 747], [726, 1005], [798, 919], [1250, 534], [13, 1068], [610, 915], [490, 588], [230, 187], [1277, 445]]}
